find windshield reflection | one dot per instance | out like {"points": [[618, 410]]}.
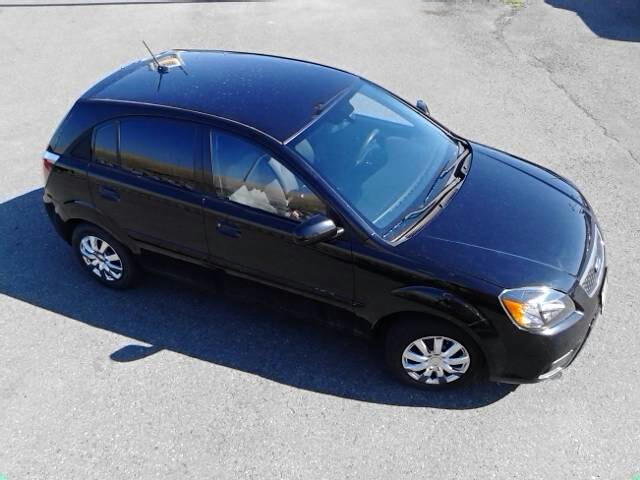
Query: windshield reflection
{"points": [[380, 155]]}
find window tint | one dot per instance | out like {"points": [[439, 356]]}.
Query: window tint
{"points": [[249, 175], [159, 147], [104, 145]]}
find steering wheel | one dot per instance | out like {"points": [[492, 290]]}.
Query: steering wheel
{"points": [[365, 148]]}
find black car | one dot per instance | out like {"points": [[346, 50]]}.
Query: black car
{"points": [[464, 260]]}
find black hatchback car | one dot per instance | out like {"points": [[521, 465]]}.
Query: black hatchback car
{"points": [[464, 260]]}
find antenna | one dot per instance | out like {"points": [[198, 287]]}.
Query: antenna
{"points": [[160, 68]]}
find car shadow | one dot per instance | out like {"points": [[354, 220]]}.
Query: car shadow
{"points": [[615, 19], [213, 324]]}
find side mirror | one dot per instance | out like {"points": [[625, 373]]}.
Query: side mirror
{"points": [[420, 105], [316, 229]]}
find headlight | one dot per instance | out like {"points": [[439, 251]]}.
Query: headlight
{"points": [[537, 308]]}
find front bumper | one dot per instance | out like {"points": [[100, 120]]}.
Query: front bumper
{"points": [[531, 358], [560, 364]]}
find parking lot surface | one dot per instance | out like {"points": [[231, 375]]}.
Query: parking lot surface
{"points": [[168, 381]]}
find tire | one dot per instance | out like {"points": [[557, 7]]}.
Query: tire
{"points": [[441, 371], [103, 257]]}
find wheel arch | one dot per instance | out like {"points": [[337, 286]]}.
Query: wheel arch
{"points": [[76, 213], [439, 305], [383, 325]]}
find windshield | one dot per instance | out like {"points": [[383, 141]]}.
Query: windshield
{"points": [[380, 155]]}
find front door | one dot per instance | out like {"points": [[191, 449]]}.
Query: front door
{"points": [[250, 216]]}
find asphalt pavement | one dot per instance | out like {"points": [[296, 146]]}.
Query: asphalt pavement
{"points": [[170, 381]]}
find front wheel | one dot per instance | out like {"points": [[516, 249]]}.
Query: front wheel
{"points": [[431, 355], [103, 257]]}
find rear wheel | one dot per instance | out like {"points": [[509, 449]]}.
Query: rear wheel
{"points": [[431, 355], [103, 257]]}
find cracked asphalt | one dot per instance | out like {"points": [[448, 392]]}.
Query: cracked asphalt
{"points": [[167, 381]]}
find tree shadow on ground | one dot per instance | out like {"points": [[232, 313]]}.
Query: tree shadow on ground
{"points": [[614, 19], [211, 324]]}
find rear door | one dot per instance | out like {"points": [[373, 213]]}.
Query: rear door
{"points": [[251, 212], [143, 177]]}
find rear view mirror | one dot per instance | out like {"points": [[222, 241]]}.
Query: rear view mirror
{"points": [[316, 229], [420, 105]]}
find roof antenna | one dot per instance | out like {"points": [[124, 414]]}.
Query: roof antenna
{"points": [[159, 68]]}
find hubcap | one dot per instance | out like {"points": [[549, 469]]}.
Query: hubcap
{"points": [[101, 258], [435, 360]]}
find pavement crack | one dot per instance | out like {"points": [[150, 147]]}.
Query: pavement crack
{"points": [[605, 131], [502, 21]]}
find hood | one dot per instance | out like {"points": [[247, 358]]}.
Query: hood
{"points": [[512, 223]]}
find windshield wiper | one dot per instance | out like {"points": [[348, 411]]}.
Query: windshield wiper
{"points": [[427, 207], [455, 178], [460, 157]]}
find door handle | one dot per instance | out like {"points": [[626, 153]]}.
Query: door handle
{"points": [[228, 230], [109, 193]]}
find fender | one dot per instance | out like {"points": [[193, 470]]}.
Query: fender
{"points": [[80, 210], [451, 307]]}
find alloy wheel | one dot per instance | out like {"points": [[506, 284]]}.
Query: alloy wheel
{"points": [[435, 360], [101, 258]]}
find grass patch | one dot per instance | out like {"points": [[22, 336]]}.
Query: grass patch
{"points": [[514, 3]]}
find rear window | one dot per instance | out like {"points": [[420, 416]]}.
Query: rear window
{"points": [[159, 147]]}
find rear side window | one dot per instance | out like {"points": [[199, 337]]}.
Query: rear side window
{"points": [[105, 143], [159, 147], [82, 149]]}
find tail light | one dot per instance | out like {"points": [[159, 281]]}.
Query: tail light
{"points": [[48, 161]]}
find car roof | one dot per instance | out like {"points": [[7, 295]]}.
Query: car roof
{"points": [[275, 95]]}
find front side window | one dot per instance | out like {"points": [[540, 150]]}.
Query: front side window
{"points": [[158, 147], [249, 175], [381, 156]]}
